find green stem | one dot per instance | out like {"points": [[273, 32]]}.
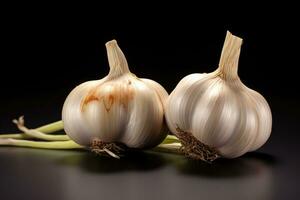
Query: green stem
{"points": [[170, 144], [40, 133], [170, 139], [42, 136], [15, 136], [57, 126], [168, 148], [33, 134], [42, 145], [52, 127]]}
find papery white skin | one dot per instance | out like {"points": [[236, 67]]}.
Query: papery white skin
{"points": [[118, 108], [218, 109]]}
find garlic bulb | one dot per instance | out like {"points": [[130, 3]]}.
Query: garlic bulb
{"points": [[120, 108], [218, 110]]}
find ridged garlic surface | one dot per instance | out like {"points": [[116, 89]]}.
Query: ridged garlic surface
{"points": [[120, 108], [218, 109]]}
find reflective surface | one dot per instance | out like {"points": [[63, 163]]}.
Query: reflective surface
{"points": [[32, 174], [270, 173]]}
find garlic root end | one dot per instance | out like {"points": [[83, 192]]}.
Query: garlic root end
{"points": [[195, 149], [106, 148]]}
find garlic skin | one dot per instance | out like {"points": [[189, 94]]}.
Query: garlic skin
{"points": [[120, 108], [218, 109]]}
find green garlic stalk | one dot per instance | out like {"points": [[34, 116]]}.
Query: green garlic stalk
{"points": [[43, 138]]}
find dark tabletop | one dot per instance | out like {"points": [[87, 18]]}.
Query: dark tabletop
{"points": [[50, 174], [270, 173]]}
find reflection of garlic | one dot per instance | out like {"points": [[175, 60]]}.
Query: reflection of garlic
{"points": [[120, 108], [218, 109]]}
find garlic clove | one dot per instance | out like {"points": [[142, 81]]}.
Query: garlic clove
{"points": [[184, 105], [143, 111], [210, 116], [74, 123], [264, 117], [160, 91]]}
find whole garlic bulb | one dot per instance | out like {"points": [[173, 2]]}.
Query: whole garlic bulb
{"points": [[218, 109], [120, 108]]}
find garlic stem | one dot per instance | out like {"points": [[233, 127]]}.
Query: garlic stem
{"points": [[42, 136], [35, 134], [228, 65], [52, 127], [42, 145], [40, 133], [169, 148], [56, 145], [116, 59], [46, 130], [166, 146], [170, 139], [170, 144], [15, 136]]}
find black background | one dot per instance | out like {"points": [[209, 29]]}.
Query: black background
{"points": [[49, 49]]}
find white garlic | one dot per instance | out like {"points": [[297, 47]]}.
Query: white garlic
{"points": [[218, 109], [120, 108]]}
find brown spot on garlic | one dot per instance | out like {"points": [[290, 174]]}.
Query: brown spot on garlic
{"points": [[108, 101], [119, 94], [89, 98]]}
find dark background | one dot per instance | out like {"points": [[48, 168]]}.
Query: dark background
{"points": [[49, 49]]}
